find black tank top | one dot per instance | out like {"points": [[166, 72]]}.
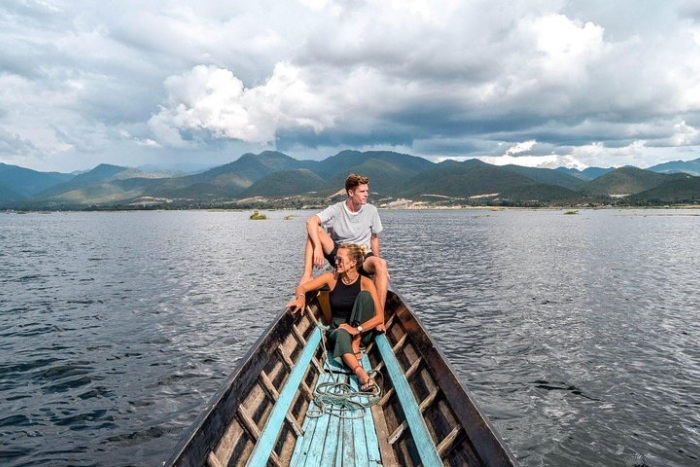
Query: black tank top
{"points": [[342, 298]]}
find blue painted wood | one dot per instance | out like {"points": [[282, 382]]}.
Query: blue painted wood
{"points": [[419, 430], [311, 446], [373, 455], [345, 441], [268, 436]]}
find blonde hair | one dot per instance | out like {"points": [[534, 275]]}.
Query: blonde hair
{"points": [[356, 252]]}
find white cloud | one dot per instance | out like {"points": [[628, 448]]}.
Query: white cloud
{"points": [[214, 100], [521, 147], [442, 78]]}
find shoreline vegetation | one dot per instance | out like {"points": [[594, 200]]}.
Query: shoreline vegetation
{"points": [[258, 214]]}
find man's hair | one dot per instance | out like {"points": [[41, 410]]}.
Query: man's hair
{"points": [[355, 180]]}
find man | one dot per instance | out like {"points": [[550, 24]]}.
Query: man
{"points": [[349, 221]]}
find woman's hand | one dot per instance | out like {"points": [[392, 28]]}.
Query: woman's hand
{"points": [[380, 328], [350, 330], [297, 305]]}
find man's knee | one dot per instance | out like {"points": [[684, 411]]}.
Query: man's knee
{"points": [[375, 265], [381, 266]]}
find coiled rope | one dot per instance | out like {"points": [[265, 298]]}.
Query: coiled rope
{"points": [[336, 397]]}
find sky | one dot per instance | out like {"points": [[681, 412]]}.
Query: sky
{"points": [[186, 85]]}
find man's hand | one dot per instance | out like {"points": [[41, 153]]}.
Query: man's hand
{"points": [[319, 259]]}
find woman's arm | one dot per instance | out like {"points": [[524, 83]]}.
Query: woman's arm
{"points": [[298, 303]]}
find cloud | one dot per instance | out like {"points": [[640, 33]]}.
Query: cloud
{"points": [[593, 82], [213, 100]]}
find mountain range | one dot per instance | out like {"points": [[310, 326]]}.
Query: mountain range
{"points": [[273, 179]]}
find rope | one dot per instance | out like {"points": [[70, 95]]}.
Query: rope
{"points": [[337, 397]]}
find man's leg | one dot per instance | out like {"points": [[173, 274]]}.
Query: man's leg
{"points": [[377, 267], [327, 244]]}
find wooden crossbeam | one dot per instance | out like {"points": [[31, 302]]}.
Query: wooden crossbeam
{"points": [[266, 443], [427, 402], [270, 388], [449, 440]]}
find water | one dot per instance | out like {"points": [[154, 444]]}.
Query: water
{"points": [[576, 334]]}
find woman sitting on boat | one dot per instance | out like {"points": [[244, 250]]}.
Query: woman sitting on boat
{"points": [[355, 310]]}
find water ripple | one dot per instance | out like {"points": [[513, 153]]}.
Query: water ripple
{"points": [[575, 334]]}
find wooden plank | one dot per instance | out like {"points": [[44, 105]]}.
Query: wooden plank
{"points": [[268, 437], [315, 430], [345, 438], [419, 430], [368, 427], [352, 452], [272, 391]]}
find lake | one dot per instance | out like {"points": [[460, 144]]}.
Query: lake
{"points": [[577, 335]]}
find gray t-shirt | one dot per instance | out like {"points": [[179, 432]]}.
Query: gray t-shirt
{"points": [[344, 226]]}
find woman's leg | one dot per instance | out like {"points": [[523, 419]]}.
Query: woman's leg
{"points": [[366, 383], [342, 343], [362, 310]]}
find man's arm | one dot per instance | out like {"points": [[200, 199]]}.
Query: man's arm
{"points": [[313, 226], [374, 244]]}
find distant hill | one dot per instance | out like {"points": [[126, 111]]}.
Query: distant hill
{"points": [[8, 197], [18, 182], [463, 182], [590, 173], [388, 171], [547, 176], [232, 179], [345, 162], [624, 181], [100, 185], [681, 189], [286, 183], [273, 179], [689, 167]]}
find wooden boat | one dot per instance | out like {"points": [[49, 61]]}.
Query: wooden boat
{"points": [[269, 413]]}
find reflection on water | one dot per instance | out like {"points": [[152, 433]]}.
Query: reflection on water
{"points": [[577, 335]]}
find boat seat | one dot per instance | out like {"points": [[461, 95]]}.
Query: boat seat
{"points": [[338, 436]]}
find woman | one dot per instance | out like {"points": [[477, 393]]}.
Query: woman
{"points": [[355, 309]]}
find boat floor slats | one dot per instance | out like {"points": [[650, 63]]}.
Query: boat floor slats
{"points": [[419, 431], [446, 443], [268, 437], [339, 437]]}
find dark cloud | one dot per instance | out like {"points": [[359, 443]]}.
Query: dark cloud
{"points": [[584, 81]]}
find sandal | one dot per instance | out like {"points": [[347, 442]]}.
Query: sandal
{"points": [[368, 386]]}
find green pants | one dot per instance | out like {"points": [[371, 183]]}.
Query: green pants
{"points": [[339, 340]]}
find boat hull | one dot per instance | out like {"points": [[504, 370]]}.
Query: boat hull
{"points": [[424, 408]]}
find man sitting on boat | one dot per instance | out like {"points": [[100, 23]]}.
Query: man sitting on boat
{"points": [[351, 221], [355, 310]]}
